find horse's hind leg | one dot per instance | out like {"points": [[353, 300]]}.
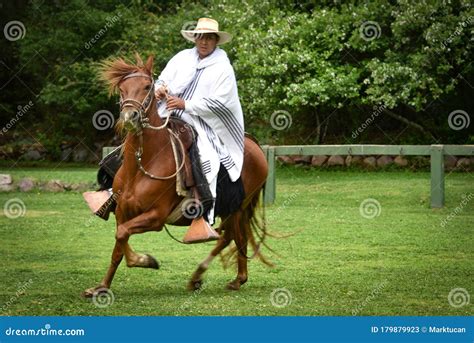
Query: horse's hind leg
{"points": [[241, 240], [196, 279]]}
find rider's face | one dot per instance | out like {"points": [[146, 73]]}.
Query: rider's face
{"points": [[206, 43]]}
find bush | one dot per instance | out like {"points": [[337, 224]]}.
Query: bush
{"points": [[326, 64]]}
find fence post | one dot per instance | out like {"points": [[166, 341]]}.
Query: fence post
{"points": [[265, 152], [437, 176], [269, 192]]}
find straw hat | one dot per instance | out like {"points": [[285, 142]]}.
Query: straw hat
{"points": [[206, 25]]}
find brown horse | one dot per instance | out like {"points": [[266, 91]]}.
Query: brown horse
{"points": [[145, 203]]}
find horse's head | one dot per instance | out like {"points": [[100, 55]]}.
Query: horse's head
{"points": [[135, 84]]}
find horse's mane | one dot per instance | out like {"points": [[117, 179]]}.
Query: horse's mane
{"points": [[113, 71]]}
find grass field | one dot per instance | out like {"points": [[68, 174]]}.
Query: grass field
{"points": [[404, 261]]}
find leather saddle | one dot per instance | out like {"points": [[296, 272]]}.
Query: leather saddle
{"points": [[102, 203]]}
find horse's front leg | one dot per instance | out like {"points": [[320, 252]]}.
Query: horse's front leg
{"points": [[149, 221], [103, 287]]}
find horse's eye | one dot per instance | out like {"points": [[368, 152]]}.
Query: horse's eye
{"points": [[147, 88]]}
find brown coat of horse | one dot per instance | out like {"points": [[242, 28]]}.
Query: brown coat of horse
{"points": [[145, 203]]}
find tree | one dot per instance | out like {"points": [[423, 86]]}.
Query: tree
{"points": [[325, 66]]}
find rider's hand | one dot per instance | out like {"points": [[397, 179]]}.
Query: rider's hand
{"points": [[161, 93], [174, 103]]}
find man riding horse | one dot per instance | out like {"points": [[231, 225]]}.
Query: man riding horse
{"points": [[198, 86]]}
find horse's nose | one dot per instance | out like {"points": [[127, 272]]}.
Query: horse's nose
{"points": [[134, 116], [130, 116]]}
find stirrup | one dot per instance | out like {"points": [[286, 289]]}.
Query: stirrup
{"points": [[200, 231], [101, 203]]}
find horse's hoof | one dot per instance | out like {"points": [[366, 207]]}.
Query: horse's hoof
{"points": [[152, 262], [87, 293], [94, 291], [233, 285], [194, 285]]}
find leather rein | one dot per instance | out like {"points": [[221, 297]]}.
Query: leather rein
{"points": [[144, 123]]}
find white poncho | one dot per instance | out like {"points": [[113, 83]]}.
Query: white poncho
{"points": [[209, 89]]}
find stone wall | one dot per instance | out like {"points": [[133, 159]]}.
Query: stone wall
{"points": [[459, 163], [8, 184]]}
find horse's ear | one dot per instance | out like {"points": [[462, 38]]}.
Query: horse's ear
{"points": [[149, 64], [139, 60]]}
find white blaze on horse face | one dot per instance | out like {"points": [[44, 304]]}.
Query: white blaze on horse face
{"points": [[130, 95], [129, 118], [127, 115]]}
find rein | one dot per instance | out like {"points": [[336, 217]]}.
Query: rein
{"points": [[142, 108]]}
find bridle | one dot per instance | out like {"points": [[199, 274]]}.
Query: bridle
{"points": [[144, 106], [144, 123]]}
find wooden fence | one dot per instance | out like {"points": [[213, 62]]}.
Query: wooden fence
{"points": [[436, 152]]}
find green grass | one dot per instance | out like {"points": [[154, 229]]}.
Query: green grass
{"points": [[68, 173], [402, 262]]}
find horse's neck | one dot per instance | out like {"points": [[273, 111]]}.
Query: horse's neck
{"points": [[152, 115]]}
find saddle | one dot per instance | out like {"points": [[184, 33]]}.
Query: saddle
{"points": [[189, 178]]}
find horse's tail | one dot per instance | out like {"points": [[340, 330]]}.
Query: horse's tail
{"points": [[254, 221], [251, 227]]}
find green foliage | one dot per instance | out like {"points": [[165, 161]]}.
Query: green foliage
{"points": [[312, 59], [304, 62]]}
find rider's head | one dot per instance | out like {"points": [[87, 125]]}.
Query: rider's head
{"points": [[206, 36]]}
